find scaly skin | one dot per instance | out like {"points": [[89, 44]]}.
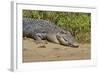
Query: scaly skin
{"points": [[46, 30]]}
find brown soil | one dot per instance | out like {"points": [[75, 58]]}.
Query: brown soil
{"points": [[35, 51]]}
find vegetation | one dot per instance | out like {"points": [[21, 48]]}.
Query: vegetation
{"points": [[79, 24]]}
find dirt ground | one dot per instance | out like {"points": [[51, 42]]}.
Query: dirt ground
{"points": [[34, 51]]}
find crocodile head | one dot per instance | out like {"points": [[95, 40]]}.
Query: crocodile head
{"points": [[67, 36]]}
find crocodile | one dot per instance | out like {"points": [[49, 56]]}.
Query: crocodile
{"points": [[39, 29]]}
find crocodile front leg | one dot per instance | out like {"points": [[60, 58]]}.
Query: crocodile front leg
{"points": [[40, 38], [52, 38]]}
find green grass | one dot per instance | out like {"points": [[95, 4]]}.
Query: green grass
{"points": [[79, 24]]}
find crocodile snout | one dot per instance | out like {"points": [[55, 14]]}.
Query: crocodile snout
{"points": [[75, 45]]}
